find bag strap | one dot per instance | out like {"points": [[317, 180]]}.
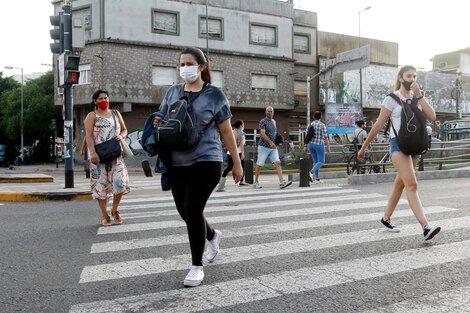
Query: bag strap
{"points": [[355, 136], [114, 119], [185, 96], [399, 101]]}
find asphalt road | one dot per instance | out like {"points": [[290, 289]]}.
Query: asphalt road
{"points": [[316, 249]]}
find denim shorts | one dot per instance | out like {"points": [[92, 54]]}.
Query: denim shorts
{"points": [[264, 153], [394, 148]]}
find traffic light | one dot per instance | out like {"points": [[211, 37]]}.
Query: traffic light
{"points": [[71, 77], [57, 33], [71, 73]]}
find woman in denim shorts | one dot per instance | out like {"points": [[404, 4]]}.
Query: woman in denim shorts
{"points": [[405, 88]]}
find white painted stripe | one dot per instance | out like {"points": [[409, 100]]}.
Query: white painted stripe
{"points": [[244, 192], [238, 254], [277, 204], [239, 232], [221, 219], [279, 284], [453, 300], [273, 200]]}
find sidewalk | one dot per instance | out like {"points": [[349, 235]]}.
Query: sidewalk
{"points": [[45, 182]]}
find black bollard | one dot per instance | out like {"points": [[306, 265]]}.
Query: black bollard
{"points": [[146, 168], [304, 169], [248, 166]]}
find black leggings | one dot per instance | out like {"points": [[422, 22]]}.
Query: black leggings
{"points": [[191, 186], [230, 165]]}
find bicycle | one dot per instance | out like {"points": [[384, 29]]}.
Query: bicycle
{"points": [[353, 164]]}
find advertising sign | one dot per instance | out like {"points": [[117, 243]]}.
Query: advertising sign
{"points": [[341, 117]]}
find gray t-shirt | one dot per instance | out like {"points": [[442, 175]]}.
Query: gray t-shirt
{"points": [[210, 103]]}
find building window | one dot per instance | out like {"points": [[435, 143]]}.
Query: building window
{"points": [[302, 43], [300, 88], [85, 74], [215, 26], [263, 34], [163, 76], [261, 82], [85, 15], [165, 22], [217, 78]]}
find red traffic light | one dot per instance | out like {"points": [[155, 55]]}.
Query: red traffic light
{"points": [[71, 77]]}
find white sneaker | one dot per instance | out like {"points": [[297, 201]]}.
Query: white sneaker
{"points": [[194, 277], [257, 185], [213, 246], [285, 184]]}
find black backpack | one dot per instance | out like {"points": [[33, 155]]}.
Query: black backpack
{"points": [[178, 129], [412, 138], [310, 134]]}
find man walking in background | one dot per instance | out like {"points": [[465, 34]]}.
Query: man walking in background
{"points": [[267, 149]]}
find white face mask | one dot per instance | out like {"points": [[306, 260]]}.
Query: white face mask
{"points": [[189, 73]]}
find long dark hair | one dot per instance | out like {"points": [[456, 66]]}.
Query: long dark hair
{"points": [[200, 58], [96, 94]]}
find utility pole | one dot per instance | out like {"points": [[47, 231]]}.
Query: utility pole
{"points": [[68, 75], [359, 39]]}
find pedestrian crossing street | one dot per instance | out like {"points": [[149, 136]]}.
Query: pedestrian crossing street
{"points": [[317, 249]]}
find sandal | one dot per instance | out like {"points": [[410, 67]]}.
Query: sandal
{"points": [[116, 217], [106, 221]]}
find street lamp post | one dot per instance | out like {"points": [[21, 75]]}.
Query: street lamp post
{"points": [[22, 102], [359, 40]]}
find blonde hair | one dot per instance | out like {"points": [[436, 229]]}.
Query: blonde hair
{"points": [[402, 70]]}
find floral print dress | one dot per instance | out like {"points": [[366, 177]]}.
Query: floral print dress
{"points": [[111, 178]]}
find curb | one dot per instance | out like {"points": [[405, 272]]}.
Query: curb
{"points": [[10, 196], [21, 178], [390, 177]]}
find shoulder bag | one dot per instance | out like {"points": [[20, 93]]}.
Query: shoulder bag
{"points": [[110, 149]]}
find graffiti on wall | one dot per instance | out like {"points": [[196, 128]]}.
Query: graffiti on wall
{"points": [[378, 82]]}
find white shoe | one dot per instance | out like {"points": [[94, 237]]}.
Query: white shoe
{"points": [[194, 277], [257, 185], [213, 246]]}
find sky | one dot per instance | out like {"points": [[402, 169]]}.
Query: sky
{"points": [[422, 28]]}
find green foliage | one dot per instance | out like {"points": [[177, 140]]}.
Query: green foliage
{"points": [[38, 110]]}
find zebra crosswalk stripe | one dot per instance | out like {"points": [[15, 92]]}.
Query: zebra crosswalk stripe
{"points": [[306, 209], [288, 282], [161, 265], [238, 232]]}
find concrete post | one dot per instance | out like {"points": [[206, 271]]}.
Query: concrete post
{"points": [[248, 165], [146, 168], [304, 176]]}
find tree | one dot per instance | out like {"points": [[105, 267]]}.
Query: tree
{"points": [[38, 110], [6, 84]]}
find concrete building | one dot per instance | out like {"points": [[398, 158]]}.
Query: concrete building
{"points": [[261, 53]]}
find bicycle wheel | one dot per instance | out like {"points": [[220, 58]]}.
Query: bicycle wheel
{"points": [[366, 169], [351, 166]]}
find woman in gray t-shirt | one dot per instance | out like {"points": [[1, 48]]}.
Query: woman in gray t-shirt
{"points": [[194, 174]]}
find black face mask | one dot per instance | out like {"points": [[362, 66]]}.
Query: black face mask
{"points": [[407, 85]]}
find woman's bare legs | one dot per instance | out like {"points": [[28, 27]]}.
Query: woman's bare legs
{"points": [[395, 195], [404, 166]]}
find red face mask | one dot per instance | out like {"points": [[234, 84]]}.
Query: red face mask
{"points": [[103, 105]]}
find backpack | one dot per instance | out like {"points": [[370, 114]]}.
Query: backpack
{"points": [[355, 141], [178, 128], [412, 138], [310, 134]]}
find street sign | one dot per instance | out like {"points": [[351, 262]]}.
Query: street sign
{"points": [[346, 61]]}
